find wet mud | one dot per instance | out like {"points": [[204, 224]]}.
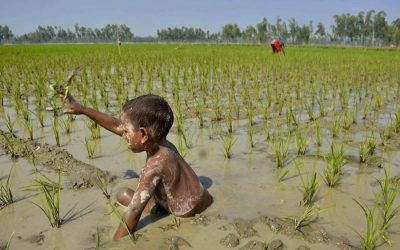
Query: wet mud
{"points": [[80, 175]]}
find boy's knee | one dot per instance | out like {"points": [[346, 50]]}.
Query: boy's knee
{"points": [[124, 196]]}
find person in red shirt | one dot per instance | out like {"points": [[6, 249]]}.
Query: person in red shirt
{"points": [[277, 46], [166, 179]]}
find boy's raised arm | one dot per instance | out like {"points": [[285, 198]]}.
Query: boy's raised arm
{"points": [[106, 121]]}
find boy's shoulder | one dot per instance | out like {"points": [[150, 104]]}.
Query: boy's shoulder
{"points": [[161, 158]]}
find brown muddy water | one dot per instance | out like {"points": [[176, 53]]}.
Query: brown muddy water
{"points": [[249, 209]]}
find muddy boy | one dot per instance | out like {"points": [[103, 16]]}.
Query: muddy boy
{"points": [[166, 180]]}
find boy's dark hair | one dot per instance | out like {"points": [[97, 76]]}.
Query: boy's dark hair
{"points": [[151, 112]]}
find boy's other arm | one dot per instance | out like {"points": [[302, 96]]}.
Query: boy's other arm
{"points": [[106, 121]]}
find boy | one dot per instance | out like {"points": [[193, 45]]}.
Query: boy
{"points": [[144, 124]]}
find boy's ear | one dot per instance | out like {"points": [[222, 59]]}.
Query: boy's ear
{"points": [[144, 134]]}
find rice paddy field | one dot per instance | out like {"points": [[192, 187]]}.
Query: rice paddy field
{"points": [[299, 151]]}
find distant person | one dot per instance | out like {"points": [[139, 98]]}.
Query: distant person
{"points": [[277, 46], [166, 180]]}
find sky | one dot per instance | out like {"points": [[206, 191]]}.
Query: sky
{"points": [[146, 17]]}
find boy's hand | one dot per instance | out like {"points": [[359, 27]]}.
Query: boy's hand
{"points": [[74, 107]]}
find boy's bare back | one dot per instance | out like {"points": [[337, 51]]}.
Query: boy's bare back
{"points": [[173, 184]]}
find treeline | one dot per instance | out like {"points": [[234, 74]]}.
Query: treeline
{"points": [[366, 28]]}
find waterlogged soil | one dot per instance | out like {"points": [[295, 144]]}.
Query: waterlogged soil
{"points": [[251, 209]]}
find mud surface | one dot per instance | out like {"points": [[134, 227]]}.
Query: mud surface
{"points": [[80, 174]]}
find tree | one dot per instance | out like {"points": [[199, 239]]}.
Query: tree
{"points": [[5, 34], [231, 32], [262, 30], [320, 32], [293, 29], [250, 33]]}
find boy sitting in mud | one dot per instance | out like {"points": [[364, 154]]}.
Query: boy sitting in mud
{"points": [[166, 179]]}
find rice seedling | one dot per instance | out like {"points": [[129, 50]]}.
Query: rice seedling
{"points": [[301, 141], [66, 125], [10, 147], [9, 123], [6, 195], [56, 132], [373, 233], [372, 144], [281, 151], [90, 147], [267, 133], [309, 215], [102, 183], [50, 202], [29, 128], [347, 120], [334, 163], [318, 135], [397, 121], [309, 187], [228, 141], [335, 128], [121, 220], [40, 117], [366, 110], [385, 134], [364, 150], [283, 172], [388, 193], [250, 135], [310, 111], [321, 106]]}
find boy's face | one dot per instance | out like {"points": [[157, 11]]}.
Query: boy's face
{"points": [[135, 137]]}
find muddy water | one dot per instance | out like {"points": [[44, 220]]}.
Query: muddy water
{"points": [[245, 188]]}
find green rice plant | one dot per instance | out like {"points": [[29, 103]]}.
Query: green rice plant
{"points": [[228, 141], [102, 183], [397, 121], [321, 106], [40, 117], [310, 187], [366, 110], [9, 123], [50, 202], [301, 141], [335, 128], [364, 150], [29, 128], [283, 172], [389, 194], [10, 147], [39, 181], [347, 120], [318, 135], [229, 122], [281, 150], [309, 215], [6, 196], [385, 134], [56, 132], [95, 133], [250, 135], [373, 233], [334, 163], [372, 144], [310, 111], [90, 147], [121, 220], [267, 132], [66, 125], [250, 113]]}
